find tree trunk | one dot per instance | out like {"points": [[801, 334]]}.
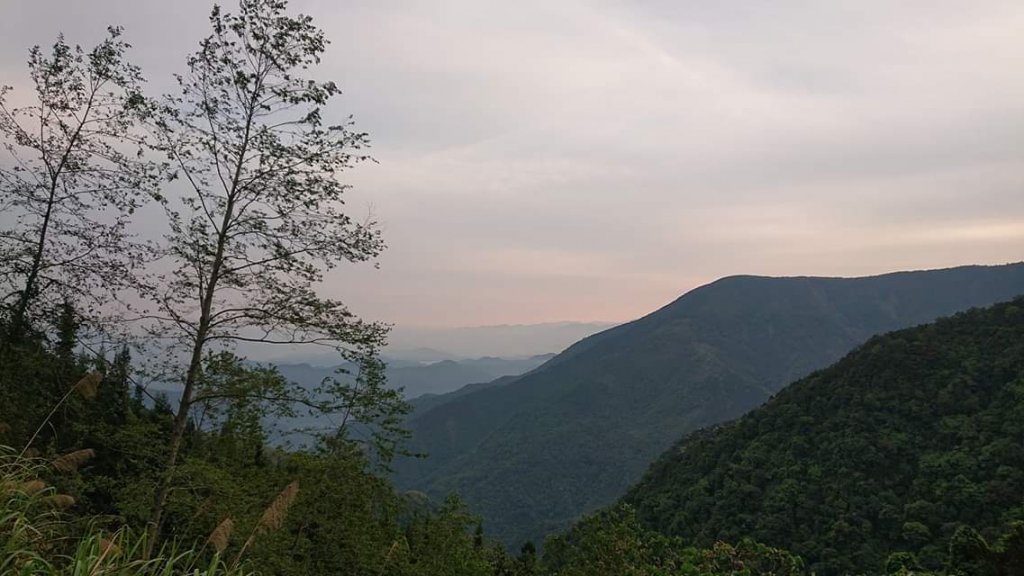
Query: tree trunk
{"points": [[195, 363], [17, 327]]}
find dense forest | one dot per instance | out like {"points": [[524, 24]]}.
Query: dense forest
{"points": [[532, 454], [913, 441]]}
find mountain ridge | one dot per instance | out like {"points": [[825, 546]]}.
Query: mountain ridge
{"points": [[533, 453]]}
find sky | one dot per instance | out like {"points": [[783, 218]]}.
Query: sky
{"points": [[544, 161]]}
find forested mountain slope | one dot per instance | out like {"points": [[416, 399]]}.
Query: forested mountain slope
{"points": [[892, 449], [534, 452]]}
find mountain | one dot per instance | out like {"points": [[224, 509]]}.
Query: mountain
{"points": [[434, 378], [450, 375], [533, 453], [478, 341], [424, 385], [424, 345], [422, 354], [892, 449], [426, 402]]}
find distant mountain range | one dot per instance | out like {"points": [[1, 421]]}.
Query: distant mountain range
{"points": [[419, 378], [436, 344], [505, 341], [421, 382], [532, 453], [913, 436]]}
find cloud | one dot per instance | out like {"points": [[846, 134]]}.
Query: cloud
{"points": [[594, 159]]}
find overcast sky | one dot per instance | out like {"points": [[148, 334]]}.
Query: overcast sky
{"points": [[592, 160]]}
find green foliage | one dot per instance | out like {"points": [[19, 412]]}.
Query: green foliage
{"points": [[901, 563], [893, 449], [969, 554], [613, 543], [442, 544], [1009, 551], [608, 544], [343, 519], [749, 558], [38, 537]]}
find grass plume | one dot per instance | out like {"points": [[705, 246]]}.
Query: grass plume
{"points": [[89, 384], [72, 460], [33, 487], [221, 534], [59, 501], [273, 517]]}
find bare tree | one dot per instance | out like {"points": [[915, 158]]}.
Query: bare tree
{"points": [[260, 219], [73, 176]]}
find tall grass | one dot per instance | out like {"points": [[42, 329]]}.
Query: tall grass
{"points": [[38, 539]]}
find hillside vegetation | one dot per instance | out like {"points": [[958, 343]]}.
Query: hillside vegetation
{"points": [[895, 449], [533, 453], [905, 455]]}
